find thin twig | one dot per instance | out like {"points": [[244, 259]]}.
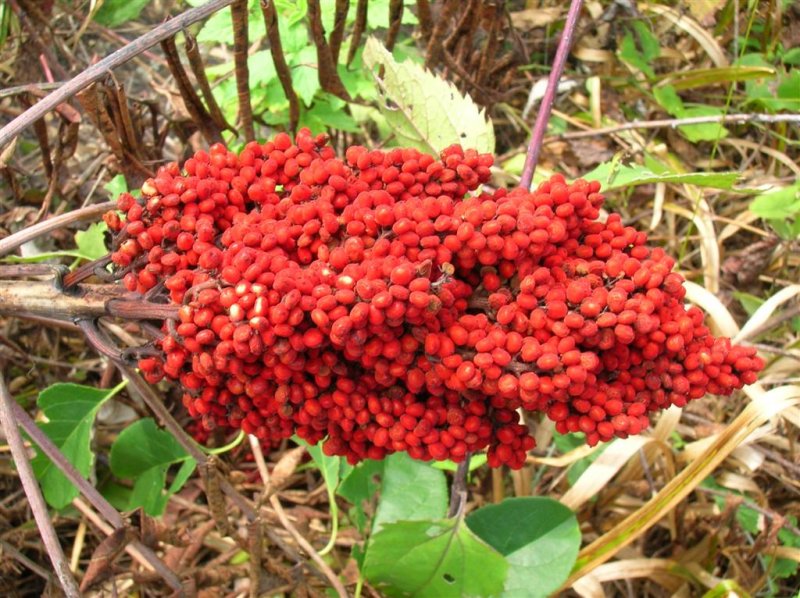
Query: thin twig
{"points": [[98, 70], [89, 491], [34, 493], [287, 524], [329, 79], [7, 548], [679, 122], [11, 242], [543, 116], [239, 16]]}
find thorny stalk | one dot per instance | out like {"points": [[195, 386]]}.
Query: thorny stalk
{"points": [[543, 116], [34, 494]]}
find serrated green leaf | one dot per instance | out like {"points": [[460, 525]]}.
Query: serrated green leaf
{"points": [[412, 490], [70, 410], [629, 176], [436, 559], [539, 538], [91, 242], [426, 111], [144, 453], [777, 204], [116, 12]]}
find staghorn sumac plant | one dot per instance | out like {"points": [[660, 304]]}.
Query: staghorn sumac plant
{"points": [[365, 301]]}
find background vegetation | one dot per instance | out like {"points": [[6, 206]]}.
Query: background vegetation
{"points": [[704, 504]]}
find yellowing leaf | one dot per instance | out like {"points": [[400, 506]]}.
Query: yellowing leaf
{"points": [[424, 110]]}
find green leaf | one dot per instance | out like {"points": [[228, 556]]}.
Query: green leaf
{"points": [[116, 12], [777, 204], [219, 27], [144, 453], [640, 55], [749, 302], [539, 537], [91, 242], [424, 110], [70, 410], [629, 176], [791, 57], [702, 131], [783, 568], [669, 99], [333, 469], [412, 490], [116, 185], [305, 74], [359, 486], [360, 483], [433, 558]]}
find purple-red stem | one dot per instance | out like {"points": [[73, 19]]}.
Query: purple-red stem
{"points": [[34, 494], [546, 105], [89, 491]]}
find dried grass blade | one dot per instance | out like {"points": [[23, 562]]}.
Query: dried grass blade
{"points": [[633, 526], [693, 28], [600, 472]]}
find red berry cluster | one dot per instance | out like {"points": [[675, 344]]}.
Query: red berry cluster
{"points": [[371, 302]]}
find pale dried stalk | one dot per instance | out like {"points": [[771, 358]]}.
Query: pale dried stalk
{"points": [[287, 524], [11, 242]]}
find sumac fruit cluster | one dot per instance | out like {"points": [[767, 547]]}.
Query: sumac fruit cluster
{"points": [[375, 302]]}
